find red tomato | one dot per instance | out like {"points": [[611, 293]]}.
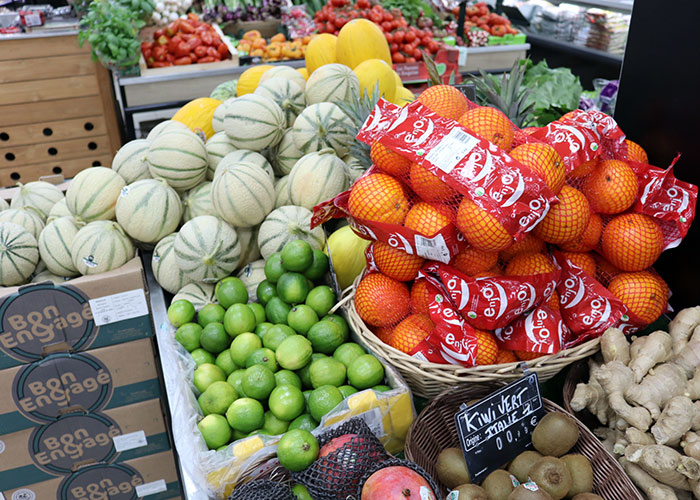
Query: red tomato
{"points": [[161, 64], [394, 24], [194, 42], [211, 51], [320, 16], [182, 61], [146, 45], [172, 28], [418, 54], [222, 49], [433, 47], [147, 54], [411, 60], [330, 27], [389, 38], [387, 16], [169, 57], [398, 58], [403, 23], [375, 17], [394, 48], [192, 16], [159, 52], [207, 59], [200, 51], [173, 43], [363, 4], [186, 27], [426, 40], [207, 38], [410, 37], [399, 36], [163, 40], [183, 49], [340, 21], [158, 33], [387, 26]]}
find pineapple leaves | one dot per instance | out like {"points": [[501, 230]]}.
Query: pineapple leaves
{"points": [[358, 109], [433, 74]]}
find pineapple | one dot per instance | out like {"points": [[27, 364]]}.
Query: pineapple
{"points": [[506, 94], [358, 109]]}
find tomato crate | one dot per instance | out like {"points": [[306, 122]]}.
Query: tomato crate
{"points": [[446, 60]]}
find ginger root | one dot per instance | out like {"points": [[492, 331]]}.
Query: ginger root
{"points": [[614, 346], [653, 489], [657, 348], [657, 388], [635, 436], [692, 387], [689, 357], [591, 395], [691, 444], [681, 327], [615, 379], [664, 464], [674, 421]]}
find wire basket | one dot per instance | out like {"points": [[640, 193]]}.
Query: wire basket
{"points": [[434, 430], [427, 379]]}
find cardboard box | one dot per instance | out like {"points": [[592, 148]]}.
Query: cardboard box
{"points": [[153, 477], [61, 447], [84, 313], [446, 61], [62, 383]]}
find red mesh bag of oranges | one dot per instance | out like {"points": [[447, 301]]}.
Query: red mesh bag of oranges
{"points": [[540, 332]]}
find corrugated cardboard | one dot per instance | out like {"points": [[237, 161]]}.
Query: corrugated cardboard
{"points": [[153, 477], [84, 313], [61, 383], [61, 447]]}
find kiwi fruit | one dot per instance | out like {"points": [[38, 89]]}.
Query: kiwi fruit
{"points": [[555, 434], [451, 468], [552, 475], [581, 474], [587, 496], [521, 465], [471, 492], [523, 492], [498, 484]]}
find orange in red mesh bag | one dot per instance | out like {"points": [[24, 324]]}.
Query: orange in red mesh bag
{"points": [[382, 301], [540, 331], [392, 262], [644, 293]]}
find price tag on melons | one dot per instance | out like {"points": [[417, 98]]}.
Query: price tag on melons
{"points": [[498, 427]]}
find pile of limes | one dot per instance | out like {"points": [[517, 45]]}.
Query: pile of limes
{"points": [[278, 364]]}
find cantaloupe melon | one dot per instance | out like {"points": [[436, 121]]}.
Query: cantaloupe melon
{"points": [[149, 210], [198, 202], [165, 126], [322, 125], [28, 219], [251, 276], [130, 161], [179, 157], [248, 238], [285, 154], [224, 90], [355, 168], [93, 194], [218, 146], [207, 249], [282, 197], [287, 94], [199, 294], [101, 246], [317, 177], [39, 196], [241, 156], [55, 242], [165, 269], [285, 224], [47, 275], [3, 204], [217, 121], [286, 72], [19, 254], [60, 209], [243, 195], [254, 122], [330, 83]]}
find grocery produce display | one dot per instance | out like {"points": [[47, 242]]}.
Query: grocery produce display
{"points": [[277, 48]]}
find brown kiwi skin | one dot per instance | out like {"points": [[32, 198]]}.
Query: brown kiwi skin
{"points": [[555, 434], [581, 474], [471, 492], [522, 493], [552, 475], [451, 468], [520, 466], [587, 496], [498, 484]]}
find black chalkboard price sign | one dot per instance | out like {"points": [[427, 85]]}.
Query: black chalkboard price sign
{"points": [[499, 427]]}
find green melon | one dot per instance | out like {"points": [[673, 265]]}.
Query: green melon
{"points": [[217, 120], [254, 122], [286, 72], [317, 177], [285, 154], [240, 156], [28, 219], [179, 157], [198, 202], [60, 209], [164, 265], [46, 275], [285, 224], [38, 195], [323, 125], [217, 146], [248, 237], [101, 246], [19, 254], [224, 90], [199, 294], [243, 195], [251, 276], [55, 243], [331, 83], [149, 210], [286, 94], [282, 197], [166, 126], [131, 161], [93, 193]]}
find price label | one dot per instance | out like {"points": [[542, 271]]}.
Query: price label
{"points": [[499, 427]]}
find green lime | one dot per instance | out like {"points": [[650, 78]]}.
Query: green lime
{"points": [[348, 352], [310, 283], [381, 388], [262, 329], [292, 288], [300, 492], [297, 449], [303, 421], [297, 255], [277, 310], [337, 318], [217, 398], [188, 336], [273, 267], [236, 380], [347, 390], [214, 338], [223, 446], [327, 371], [225, 362], [258, 382], [302, 318], [245, 415], [211, 313], [294, 352], [286, 402], [326, 337], [319, 267], [322, 400], [201, 356], [258, 311], [365, 371], [321, 299], [275, 335], [180, 312], [287, 377], [243, 346], [305, 374], [239, 318], [215, 431], [262, 356], [265, 291], [307, 395], [207, 374], [231, 291], [274, 425]]}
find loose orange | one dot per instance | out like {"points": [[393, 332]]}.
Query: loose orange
{"points": [[382, 301], [505, 357], [420, 297], [589, 239], [427, 219], [565, 220], [486, 348], [528, 264], [544, 161], [583, 260], [635, 152], [527, 356], [396, 263], [378, 198], [388, 161], [644, 294], [611, 188], [472, 261], [584, 169], [428, 186], [481, 229], [444, 100], [410, 332], [490, 124], [529, 244], [632, 242]]}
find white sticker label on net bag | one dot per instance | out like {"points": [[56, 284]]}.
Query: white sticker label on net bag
{"points": [[432, 248], [451, 149]]}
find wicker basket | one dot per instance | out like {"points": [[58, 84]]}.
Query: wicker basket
{"points": [[434, 430], [427, 379], [577, 373]]}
